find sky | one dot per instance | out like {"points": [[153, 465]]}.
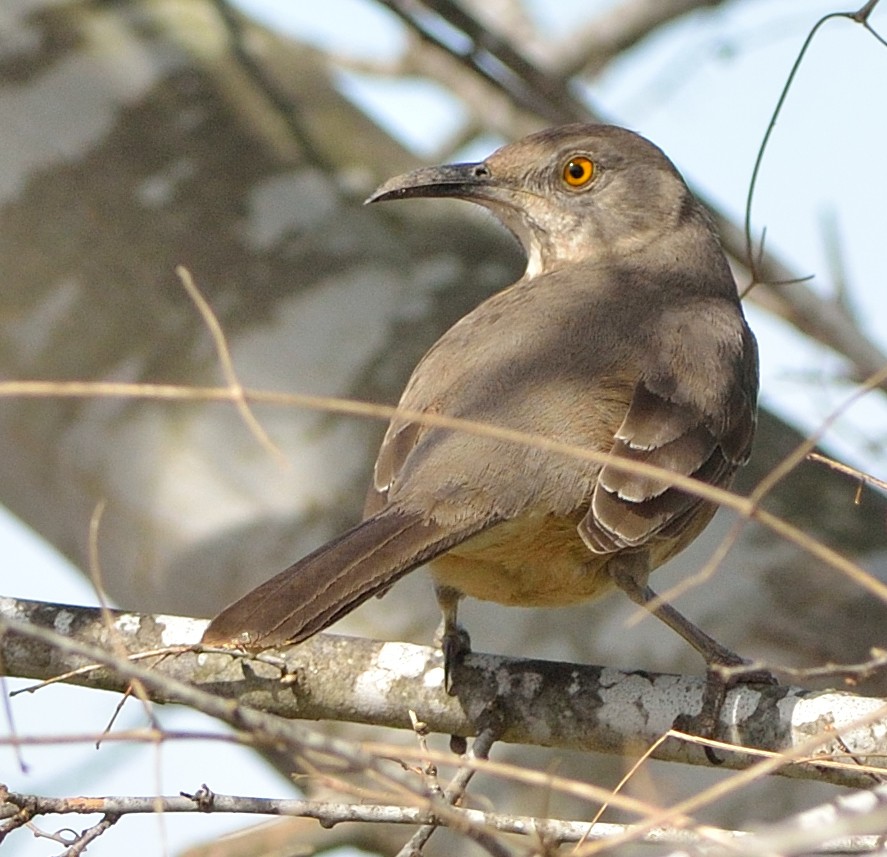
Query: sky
{"points": [[706, 99]]}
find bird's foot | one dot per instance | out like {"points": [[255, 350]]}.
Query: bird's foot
{"points": [[724, 672], [455, 645]]}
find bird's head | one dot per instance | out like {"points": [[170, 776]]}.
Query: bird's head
{"points": [[570, 194]]}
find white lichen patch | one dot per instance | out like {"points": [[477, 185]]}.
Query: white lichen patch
{"points": [[575, 684], [61, 624], [861, 722], [180, 630], [10, 608], [128, 624], [434, 677], [622, 700], [394, 662], [740, 704], [406, 661]]}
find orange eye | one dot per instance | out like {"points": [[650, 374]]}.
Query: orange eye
{"points": [[578, 171]]}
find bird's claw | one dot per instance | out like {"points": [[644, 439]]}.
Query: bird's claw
{"points": [[455, 645]]}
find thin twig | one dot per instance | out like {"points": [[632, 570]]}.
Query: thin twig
{"points": [[861, 16], [238, 393], [848, 470], [645, 756], [327, 812], [492, 57], [88, 836], [480, 749]]}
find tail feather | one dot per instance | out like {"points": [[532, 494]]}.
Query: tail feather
{"points": [[330, 582]]}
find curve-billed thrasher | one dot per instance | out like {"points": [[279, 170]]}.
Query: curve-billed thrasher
{"points": [[624, 336]]}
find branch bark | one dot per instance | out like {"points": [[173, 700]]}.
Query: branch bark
{"points": [[562, 705]]}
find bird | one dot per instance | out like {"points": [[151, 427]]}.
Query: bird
{"points": [[625, 337]]}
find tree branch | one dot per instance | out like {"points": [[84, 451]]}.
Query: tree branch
{"points": [[854, 814], [853, 823], [330, 813], [568, 706], [617, 29]]}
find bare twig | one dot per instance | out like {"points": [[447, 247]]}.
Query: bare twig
{"points": [[616, 29], [564, 831], [489, 55], [860, 16], [633, 769], [848, 822], [328, 813], [846, 469], [238, 393], [480, 749], [89, 835]]}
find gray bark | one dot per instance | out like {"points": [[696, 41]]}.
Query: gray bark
{"points": [[543, 703]]}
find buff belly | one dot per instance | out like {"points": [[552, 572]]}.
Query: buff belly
{"points": [[532, 561]]}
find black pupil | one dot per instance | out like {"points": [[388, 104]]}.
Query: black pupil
{"points": [[577, 171]]}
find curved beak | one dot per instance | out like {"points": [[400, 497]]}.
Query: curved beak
{"points": [[455, 180]]}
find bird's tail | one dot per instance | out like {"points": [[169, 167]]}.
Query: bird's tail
{"points": [[330, 582]]}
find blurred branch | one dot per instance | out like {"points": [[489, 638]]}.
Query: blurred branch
{"points": [[237, 26], [837, 263], [569, 706], [444, 24], [847, 470], [859, 818], [617, 29]]}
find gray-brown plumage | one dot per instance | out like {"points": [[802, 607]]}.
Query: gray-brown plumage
{"points": [[624, 336]]}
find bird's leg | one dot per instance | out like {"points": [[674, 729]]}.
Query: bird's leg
{"points": [[630, 572], [454, 640]]}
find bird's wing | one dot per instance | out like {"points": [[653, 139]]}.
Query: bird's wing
{"points": [[400, 439], [692, 412]]}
